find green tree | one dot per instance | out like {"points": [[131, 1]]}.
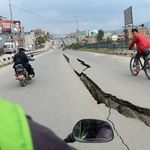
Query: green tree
{"points": [[108, 39], [40, 40], [100, 35], [47, 33]]}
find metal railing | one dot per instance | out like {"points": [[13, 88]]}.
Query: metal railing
{"points": [[119, 44]]}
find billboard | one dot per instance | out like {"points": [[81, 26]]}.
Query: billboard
{"points": [[8, 27], [93, 32], [81, 33], [128, 16]]}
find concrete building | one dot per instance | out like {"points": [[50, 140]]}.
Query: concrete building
{"points": [[3, 39], [121, 36], [144, 31], [114, 37], [38, 32], [106, 35], [29, 39], [92, 39]]}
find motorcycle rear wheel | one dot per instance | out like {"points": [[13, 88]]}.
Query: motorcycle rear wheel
{"points": [[22, 83]]}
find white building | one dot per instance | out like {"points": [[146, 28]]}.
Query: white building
{"points": [[106, 35], [114, 37], [29, 39]]}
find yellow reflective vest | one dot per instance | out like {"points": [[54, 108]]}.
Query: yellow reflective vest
{"points": [[14, 129]]}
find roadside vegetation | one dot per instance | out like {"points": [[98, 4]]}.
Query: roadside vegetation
{"points": [[41, 41], [72, 46]]}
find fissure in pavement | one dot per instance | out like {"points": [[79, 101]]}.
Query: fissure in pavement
{"points": [[123, 107]]}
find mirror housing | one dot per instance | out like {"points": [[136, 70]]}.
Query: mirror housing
{"points": [[92, 131]]}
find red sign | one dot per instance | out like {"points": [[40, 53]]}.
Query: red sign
{"points": [[6, 25]]}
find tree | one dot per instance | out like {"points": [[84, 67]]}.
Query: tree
{"points": [[100, 35], [108, 39], [40, 40]]}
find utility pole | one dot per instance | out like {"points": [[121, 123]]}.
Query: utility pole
{"points": [[14, 38], [77, 24]]}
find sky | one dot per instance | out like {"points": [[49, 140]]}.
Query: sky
{"points": [[55, 16]]}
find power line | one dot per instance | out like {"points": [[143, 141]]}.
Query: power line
{"points": [[41, 15]]}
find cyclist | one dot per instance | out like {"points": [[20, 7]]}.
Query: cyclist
{"points": [[143, 47], [20, 132]]}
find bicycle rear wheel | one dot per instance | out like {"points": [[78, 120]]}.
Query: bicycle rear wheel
{"points": [[133, 66], [147, 68]]}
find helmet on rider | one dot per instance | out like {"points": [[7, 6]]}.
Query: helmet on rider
{"points": [[21, 49]]}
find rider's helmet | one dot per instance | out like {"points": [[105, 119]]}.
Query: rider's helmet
{"points": [[21, 49]]}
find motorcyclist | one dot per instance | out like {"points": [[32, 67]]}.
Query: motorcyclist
{"points": [[20, 132], [21, 58]]}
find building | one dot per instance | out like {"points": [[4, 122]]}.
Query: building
{"points": [[144, 31], [29, 40], [106, 35], [3, 39], [121, 36], [38, 32], [92, 39], [114, 37]]}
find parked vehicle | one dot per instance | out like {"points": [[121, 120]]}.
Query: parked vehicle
{"points": [[9, 47]]}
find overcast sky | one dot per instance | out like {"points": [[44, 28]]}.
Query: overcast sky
{"points": [[97, 14]]}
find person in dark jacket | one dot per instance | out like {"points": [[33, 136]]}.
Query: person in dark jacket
{"points": [[45, 139], [21, 58]]}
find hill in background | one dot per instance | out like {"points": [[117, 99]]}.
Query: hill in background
{"points": [[146, 24]]}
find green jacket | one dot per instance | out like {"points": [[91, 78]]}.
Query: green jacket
{"points": [[14, 129]]}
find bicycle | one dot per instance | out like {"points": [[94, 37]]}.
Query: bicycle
{"points": [[142, 66]]}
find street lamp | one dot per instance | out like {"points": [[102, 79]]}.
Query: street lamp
{"points": [[77, 23]]}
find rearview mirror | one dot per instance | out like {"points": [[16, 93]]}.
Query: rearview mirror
{"points": [[91, 130]]}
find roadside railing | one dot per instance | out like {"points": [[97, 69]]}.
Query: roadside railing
{"points": [[122, 44], [8, 59]]}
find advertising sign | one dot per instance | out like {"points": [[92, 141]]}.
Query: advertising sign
{"points": [[128, 16], [28, 47], [8, 27], [93, 32], [81, 33]]}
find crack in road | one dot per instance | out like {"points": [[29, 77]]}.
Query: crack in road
{"points": [[122, 106]]}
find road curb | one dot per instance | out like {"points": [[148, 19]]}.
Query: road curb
{"points": [[129, 54]]}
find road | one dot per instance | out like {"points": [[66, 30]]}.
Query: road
{"points": [[69, 41], [58, 99]]}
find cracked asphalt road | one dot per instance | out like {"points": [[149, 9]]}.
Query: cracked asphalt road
{"points": [[57, 98]]}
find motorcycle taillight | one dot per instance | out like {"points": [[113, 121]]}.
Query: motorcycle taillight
{"points": [[19, 73]]}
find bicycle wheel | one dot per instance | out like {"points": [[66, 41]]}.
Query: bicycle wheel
{"points": [[147, 68], [133, 66]]}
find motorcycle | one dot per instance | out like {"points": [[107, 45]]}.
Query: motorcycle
{"points": [[91, 131], [22, 74]]}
